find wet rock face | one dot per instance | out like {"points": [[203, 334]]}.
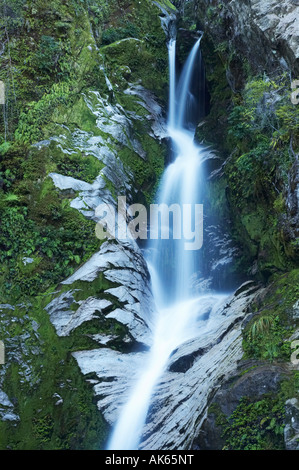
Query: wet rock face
{"points": [[20, 349], [121, 261], [290, 220], [266, 32], [194, 370], [279, 22], [261, 380], [125, 267], [128, 301]]}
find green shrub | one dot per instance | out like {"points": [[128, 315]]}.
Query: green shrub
{"points": [[256, 425], [128, 30], [58, 250], [47, 55], [38, 113], [266, 336]]}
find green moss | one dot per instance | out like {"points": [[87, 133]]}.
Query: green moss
{"points": [[144, 53], [55, 61], [77, 115], [78, 165], [56, 250], [84, 289], [166, 4], [112, 34], [146, 172], [215, 198], [46, 62], [256, 425], [131, 103], [66, 417]]}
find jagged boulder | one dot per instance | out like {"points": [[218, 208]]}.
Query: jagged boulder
{"points": [[266, 32], [291, 431]]}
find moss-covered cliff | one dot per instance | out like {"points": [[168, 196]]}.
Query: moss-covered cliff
{"points": [[86, 88]]}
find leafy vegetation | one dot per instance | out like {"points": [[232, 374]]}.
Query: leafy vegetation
{"points": [[128, 30], [38, 113], [261, 130], [54, 251], [53, 58], [266, 336], [51, 397], [256, 425], [254, 122]]}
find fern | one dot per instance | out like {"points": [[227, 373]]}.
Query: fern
{"points": [[262, 325]]}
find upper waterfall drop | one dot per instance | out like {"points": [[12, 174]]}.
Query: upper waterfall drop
{"points": [[184, 86], [180, 315], [181, 185], [172, 82]]}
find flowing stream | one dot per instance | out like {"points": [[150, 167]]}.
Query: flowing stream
{"points": [[181, 314]]}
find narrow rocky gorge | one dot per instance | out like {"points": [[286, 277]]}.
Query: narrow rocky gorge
{"points": [[77, 339]]}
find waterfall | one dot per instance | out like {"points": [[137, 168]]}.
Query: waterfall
{"points": [[172, 81], [184, 86], [181, 315], [181, 184]]}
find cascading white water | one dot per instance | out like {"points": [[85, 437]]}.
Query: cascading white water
{"points": [[172, 83], [184, 86], [181, 184], [180, 315]]}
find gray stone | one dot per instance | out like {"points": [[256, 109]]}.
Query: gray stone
{"points": [[296, 310], [180, 399], [291, 431], [120, 260], [129, 271], [257, 28], [27, 261], [6, 408], [66, 320], [103, 339], [6, 307], [168, 20], [116, 374], [149, 102], [59, 399]]}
